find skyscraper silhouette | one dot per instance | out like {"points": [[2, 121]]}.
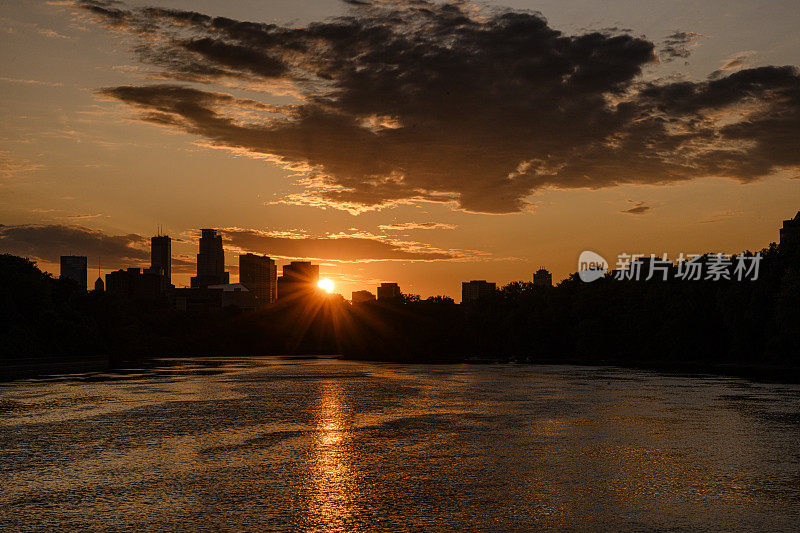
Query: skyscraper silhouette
{"points": [[259, 274], [299, 279], [210, 261], [74, 267], [161, 257]]}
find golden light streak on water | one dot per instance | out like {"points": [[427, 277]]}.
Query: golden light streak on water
{"points": [[332, 480]]}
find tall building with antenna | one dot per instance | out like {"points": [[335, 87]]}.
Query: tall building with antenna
{"points": [[161, 259], [161, 256], [74, 267], [99, 286]]}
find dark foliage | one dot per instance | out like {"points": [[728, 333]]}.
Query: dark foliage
{"points": [[607, 321]]}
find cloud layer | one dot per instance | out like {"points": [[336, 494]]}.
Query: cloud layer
{"points": [[639, 208], [359, 247], [404, 226], [49, 242], [440, 102]]}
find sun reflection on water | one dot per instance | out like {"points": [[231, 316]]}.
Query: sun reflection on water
{"points": [[333, 483]]}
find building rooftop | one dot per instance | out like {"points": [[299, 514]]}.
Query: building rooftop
{"points": [[230, 287], [792, 222]]}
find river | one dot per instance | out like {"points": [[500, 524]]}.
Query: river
{"points": [[292, 444]]}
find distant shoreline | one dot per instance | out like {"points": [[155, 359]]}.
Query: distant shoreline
{"points": [[758, 373], [55, 366]]}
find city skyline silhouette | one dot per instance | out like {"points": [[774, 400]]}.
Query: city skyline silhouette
{"points": [[492, 158], [399, 265]]}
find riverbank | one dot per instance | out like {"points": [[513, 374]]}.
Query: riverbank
{"points": [[43, 366], [55, 366], [759, 373]]}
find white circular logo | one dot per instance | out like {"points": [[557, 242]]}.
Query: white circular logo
{"points": [[591, 266]]}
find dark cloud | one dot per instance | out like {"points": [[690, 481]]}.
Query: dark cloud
{"points": [[87, 215], [49, 242], [678, 45], [244, 58], [717, 217], [639, 208], [423, 101], [335, 248]]}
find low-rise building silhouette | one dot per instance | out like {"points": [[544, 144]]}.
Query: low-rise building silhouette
{"points": [[215, 298], [134, 284], [235, 295], [362, 296], [210, 261], [74, 267], [472, 291], [259, 274], [542, 278], [389, 291], [790, 232], [299, 279]]}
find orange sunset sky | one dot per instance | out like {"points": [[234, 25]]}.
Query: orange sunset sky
{"points": [[422, 143]]}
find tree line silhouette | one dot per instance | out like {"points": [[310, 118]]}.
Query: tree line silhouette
{"points": [[640, 323]]}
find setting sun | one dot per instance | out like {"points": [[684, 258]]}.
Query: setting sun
{"points": [[513, 196], [326, 285]]}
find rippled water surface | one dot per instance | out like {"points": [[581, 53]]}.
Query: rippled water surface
{"points": [[320, 444]]}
